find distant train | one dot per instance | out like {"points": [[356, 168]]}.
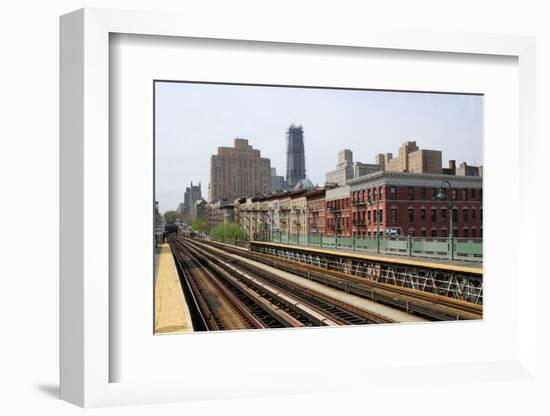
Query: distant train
{"points": [[170, 229]]}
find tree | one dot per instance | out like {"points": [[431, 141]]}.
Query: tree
{"points": [[200, 225], [231, 232], [172, 216]]}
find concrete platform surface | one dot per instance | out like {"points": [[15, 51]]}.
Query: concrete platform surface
{"points": [[171, 311]]}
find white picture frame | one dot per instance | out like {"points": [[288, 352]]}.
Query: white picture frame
{"points": [[85, 211]]}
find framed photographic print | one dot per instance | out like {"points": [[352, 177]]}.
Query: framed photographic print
{"points": [[322, 213]]}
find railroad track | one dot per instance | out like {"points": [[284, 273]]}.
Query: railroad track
{"points": [[215, 307], [426, 304], [308, 307], [332, 311]]}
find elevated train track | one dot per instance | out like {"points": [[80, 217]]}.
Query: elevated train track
{"points": [[449, 279], [227, 296], [423, 303]]}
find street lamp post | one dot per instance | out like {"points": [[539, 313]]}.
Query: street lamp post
{"points": [[370, 204], [441, 197]]}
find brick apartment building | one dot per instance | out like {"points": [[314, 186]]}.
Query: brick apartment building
{"points": [[338, 211], [408, 204], [237, 172], [316, 211]]}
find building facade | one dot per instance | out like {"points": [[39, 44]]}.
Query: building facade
{"points": [[278, 183], [190, 197], [347, 169], [412, 159], [220, 212], [405, 203], [467, 170], [316, 211], [298, 204], [284, 213], [199, 209], [238, 171], [295, 156], [338, 211]]}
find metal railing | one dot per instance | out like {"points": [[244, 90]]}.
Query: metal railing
{"points": [[463, 249]]}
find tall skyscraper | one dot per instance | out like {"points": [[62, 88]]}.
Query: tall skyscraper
{"points": [[295, 156], [238, 172]]}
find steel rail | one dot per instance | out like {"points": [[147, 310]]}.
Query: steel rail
{"points": [[335, 310], [194, 302], [211, 312], [276, 297]]}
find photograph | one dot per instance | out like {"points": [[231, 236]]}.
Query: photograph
{"points": [[283, 206]]}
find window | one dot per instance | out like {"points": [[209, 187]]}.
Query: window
{"points": [[410, 194], [368, 216], [374, 194], [443, 233], [411, 214], [465, 215], [472, 193], [481, 216], [455, 233], [481, 233], [481, 194], [465, 233], [433, 214], [473, 213], [393, 193], [368, 194], [380, 193], [464, 195], [423, 214], [381, 215], [423, 193], [473, 233], [434, 195], [393, 215], [423, 233], [455, 216], [374, 216], [443, 214], [453, 194], [434, 233]]}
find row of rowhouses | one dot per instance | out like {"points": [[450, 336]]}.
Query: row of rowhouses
{"points": [[387, 203]]}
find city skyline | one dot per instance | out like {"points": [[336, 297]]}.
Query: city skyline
{"points": [[193, 120]]}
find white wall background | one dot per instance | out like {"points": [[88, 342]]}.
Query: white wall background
{"points": [[29, 209]]}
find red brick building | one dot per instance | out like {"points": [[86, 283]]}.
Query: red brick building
{"points": [[316, 208], [407, 203], [338, 211]]}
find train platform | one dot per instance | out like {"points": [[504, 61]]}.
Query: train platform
{"points": [[171, 312], [462, 266]]}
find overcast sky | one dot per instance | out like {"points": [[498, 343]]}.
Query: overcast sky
{"points": [[192, 120]]}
